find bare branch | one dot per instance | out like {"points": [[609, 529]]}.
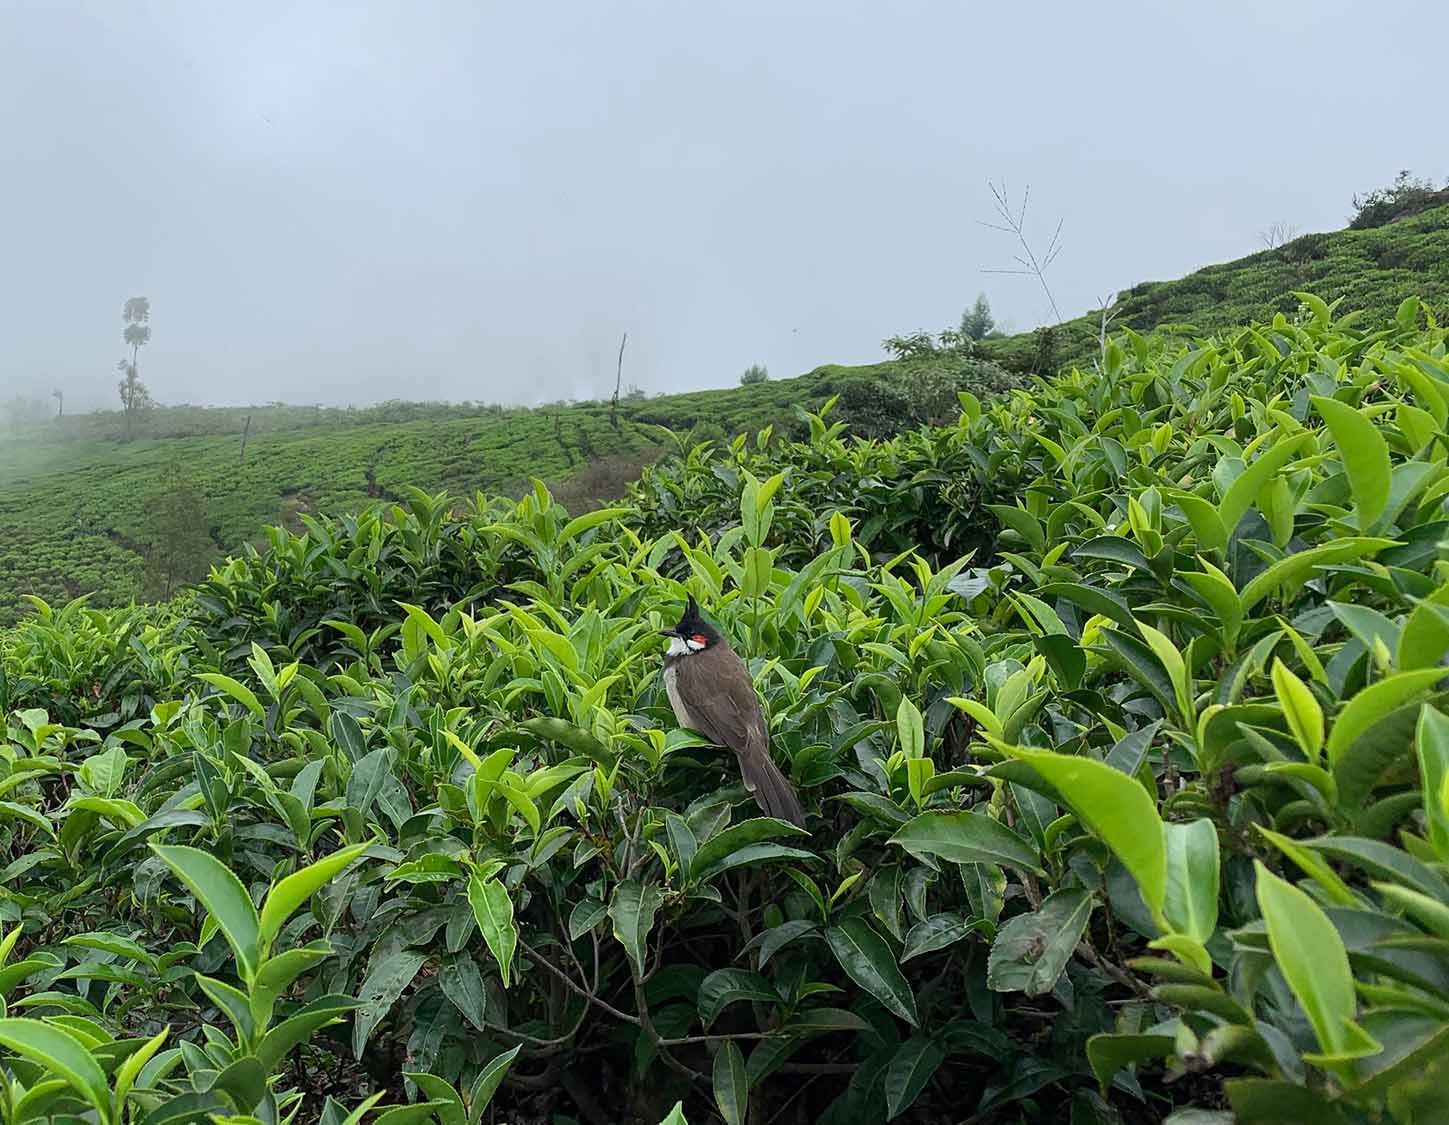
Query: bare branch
{"points": [[1015, 224]]}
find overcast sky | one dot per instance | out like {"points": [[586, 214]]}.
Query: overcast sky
{"points": [[348, 202]]}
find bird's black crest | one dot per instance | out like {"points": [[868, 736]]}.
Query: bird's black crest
{"points": [[692, 623]]}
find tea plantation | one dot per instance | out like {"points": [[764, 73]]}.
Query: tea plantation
{"points": [[74, 500], [1117, 708]]}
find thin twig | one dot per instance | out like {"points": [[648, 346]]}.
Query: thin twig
{"points": [[578, 988], [1016, 224]]}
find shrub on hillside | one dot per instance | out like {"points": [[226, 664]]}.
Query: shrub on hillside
{"points": [[1405, 196]]}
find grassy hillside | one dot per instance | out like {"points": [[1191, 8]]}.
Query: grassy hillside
{"points": [[1372, 270]]}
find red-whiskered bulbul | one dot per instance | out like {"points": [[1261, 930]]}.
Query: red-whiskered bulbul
{"points": [[711, 692]]}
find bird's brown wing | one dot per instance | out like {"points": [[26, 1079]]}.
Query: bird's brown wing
{"points": [[722, 702]]}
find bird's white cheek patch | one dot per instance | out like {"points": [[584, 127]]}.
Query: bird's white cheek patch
{"points": [[678, 646]]}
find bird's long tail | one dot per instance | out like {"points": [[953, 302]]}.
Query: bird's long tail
{"points": [[772, 789]]}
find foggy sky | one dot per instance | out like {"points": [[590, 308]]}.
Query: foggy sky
{"points": [[349, 202]]}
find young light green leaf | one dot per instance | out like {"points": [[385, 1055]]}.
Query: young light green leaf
{"points": [[1301, 709], [1191, 905], [1242, 492], [1364, 453], [1374, 703], [493, 910], [1311, 956], [1424, 640], [283, 899], [1297, 568], [222, 895], [1171, 660], [1115, 807], [1432, 742], [62, 1055], [238, 691], [910, 728]]}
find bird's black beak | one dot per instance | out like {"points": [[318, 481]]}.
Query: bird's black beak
{"points": [[668, 633]]}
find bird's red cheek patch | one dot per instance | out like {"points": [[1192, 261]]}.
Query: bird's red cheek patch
{"points": [[700, 639]]}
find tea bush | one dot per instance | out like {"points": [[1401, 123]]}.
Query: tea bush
{"points": [[1118, 710]]}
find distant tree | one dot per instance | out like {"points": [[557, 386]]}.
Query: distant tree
{"points": [[22, 412], [1278, 234], [912, 345], [135, 315], [178, 542], [754, 374], [135, 398], [977, 323]]}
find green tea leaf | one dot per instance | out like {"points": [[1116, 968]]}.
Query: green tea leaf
{"points": [[222, 895], [1191, 905], [1301, 709], [1109, 1053], [1031, 951], [911, 1067], [1311, 956], [1374, 703], [62, 1055], [724, 987], [633, 909], [493, 910], [967, 837], [1365, 456], [487, 1083], [385, 981], [1432, 743], [283, 899], [238, 691], [868, 961], [1115, 807], [731, 1084]]}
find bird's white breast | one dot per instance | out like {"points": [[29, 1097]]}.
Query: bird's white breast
{"points": [[671, 687]]}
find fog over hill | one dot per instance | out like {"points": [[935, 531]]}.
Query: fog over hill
{"points": [[475, 201]]}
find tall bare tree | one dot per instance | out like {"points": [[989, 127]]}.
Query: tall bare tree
{"points": [[135, 315]]}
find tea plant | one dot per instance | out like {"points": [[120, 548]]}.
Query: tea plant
{"points": [[1117, 711]]}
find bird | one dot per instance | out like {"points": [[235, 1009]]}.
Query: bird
{"points": [[711, 692]]}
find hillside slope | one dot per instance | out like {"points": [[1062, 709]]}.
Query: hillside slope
{"points": [[1372, 270]]}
